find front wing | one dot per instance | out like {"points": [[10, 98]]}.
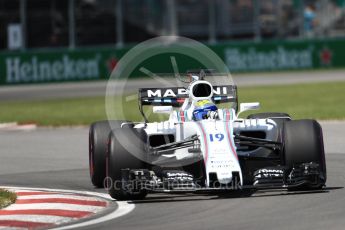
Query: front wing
{"points": [[279, 177]]}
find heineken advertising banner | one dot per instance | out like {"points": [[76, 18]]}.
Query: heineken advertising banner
{"points": [[87, 64], [283, 55], [56, 66]]}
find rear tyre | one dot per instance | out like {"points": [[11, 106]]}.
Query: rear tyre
{"points": [[98, 136], [126, 150], [303, 143]]}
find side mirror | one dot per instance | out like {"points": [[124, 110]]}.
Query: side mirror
{"points": [[162, 109], [248, 106]]}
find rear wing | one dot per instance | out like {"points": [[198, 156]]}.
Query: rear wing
{"points": [[175, 96]]}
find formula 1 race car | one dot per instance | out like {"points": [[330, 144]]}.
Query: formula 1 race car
{"points": [[203, 148]]}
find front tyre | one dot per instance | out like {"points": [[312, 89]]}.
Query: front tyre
{"points": [[98, 137], [126, 150], [303, 143]]}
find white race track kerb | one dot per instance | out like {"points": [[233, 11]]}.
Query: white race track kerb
{"points": [[123, 207]]}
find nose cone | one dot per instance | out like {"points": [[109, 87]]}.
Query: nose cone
{"points": [[224, 177]]}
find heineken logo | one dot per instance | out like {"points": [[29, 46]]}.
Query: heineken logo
{"points": [[65, 68], [279, 58]]}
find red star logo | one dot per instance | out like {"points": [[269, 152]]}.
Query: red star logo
{"points": [[111, 63], [326, 56]]}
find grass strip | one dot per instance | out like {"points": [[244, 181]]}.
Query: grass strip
{"points": [[323, 101], [7, 198]]}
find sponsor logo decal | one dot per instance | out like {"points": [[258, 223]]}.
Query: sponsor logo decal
{"points": [[279, 58], [174, 92], [64, 68]]}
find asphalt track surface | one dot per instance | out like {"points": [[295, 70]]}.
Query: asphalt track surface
{"points": [[57, 158], [98, 88]]}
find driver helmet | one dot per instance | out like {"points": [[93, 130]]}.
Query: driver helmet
{"points": [[204, 109]]}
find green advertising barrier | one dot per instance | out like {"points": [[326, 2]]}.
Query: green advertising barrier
{"points": [[273, 56], [60, 65], [97, 63]]}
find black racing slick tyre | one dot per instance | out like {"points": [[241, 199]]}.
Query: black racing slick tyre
{"points": [[126, 150], [98, 137], [303, 143]]}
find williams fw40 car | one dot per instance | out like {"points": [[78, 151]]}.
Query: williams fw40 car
{"points": [[203, 147]]}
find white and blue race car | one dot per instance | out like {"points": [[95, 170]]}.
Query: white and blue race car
{"points": [[203, 148]]}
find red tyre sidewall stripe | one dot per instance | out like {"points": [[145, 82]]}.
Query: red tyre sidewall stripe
{"points": [[107, 156], [91, 154]]}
